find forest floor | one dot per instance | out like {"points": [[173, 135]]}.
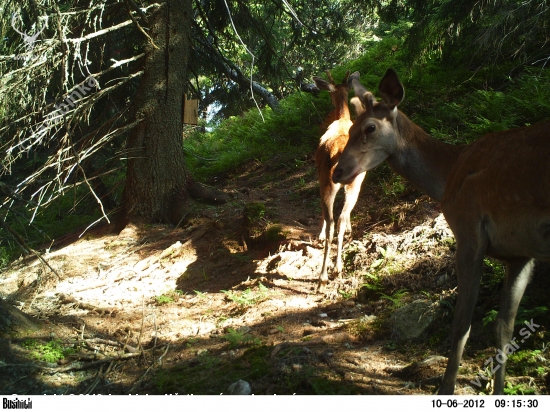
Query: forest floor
{"points": [[231, 295]]}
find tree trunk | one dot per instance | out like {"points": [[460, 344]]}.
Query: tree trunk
{"points": [[12, 320], [156, 177]]}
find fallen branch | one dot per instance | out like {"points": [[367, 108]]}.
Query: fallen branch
{"points": [[69, 299], [111, 343], [75, 366], [79, 366]]}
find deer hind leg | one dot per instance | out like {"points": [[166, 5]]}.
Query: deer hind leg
{"points": [[469, 263], [327, 203], [518, 273], [344, 221], [322, 234]]}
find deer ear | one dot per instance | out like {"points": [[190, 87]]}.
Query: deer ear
{"points": [[390, 88], [354, 76], [356, 103], [368, 101], [358, 88], [323, 84], [366, 98]]}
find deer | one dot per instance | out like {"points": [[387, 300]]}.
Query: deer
{"points": [[331, 145], [494, 194]]}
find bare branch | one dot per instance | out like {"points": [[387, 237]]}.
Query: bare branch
{"points": [[100, 32]]}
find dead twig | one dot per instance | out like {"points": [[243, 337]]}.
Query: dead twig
{"points": [[142, 322], [112, 343], [142, 377], [96, 381], [130, 4]]}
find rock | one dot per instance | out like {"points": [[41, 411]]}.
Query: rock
{"points": [[240, 388], [243, 329], [466, 390], [412, 320]]}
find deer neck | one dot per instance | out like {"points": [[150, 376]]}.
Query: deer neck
{"points": [[421, 159], [340, 102]]}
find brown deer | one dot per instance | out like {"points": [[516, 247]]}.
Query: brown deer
{"points": [[494, 193], [330, 147]]}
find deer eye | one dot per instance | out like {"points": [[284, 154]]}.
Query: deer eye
{"points": [[370, 128]]}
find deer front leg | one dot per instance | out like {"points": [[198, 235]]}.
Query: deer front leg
{"points": [[469, 263], [328, 193], [344, 222]]}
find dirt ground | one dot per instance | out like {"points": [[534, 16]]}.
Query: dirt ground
{"points": [[231, 295]]}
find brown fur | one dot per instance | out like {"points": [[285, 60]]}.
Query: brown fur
{"points": [[494, 193], [326, 158]]}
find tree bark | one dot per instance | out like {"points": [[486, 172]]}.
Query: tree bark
{"points": [[156, 178], [12, 320]]}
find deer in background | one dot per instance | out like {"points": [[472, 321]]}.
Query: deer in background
{"points": [[326, 158], [494, 193]]}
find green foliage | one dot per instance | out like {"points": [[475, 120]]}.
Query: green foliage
{"points": [[525, 314], [248, 297], [52, 351], [386, 263], [236, 338], [393, 186], [477, 33], [345, 295], [525, 363], [496, 274], [7, 254], [64, 215], [164, 299], [373, 282], [254, 212], [325, 386], [519, 389], [275, 233], [200, 295], [396, 298], [211, 375], [464, 111], [287, 132], [367, 325]]}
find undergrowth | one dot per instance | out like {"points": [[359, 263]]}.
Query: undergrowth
{"points": [[51, 351]]}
